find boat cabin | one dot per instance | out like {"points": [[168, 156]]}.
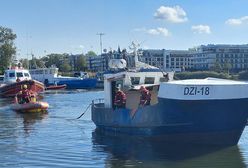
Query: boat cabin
{"points": [[16, 74], [45, 75], [130, 82]]}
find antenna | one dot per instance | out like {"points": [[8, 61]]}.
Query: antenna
{"points": [[100, 35]]}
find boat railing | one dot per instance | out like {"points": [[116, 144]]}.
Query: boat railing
{"points": [[98, 101]]}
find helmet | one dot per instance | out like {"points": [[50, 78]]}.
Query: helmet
{"points": [[25, 86]]}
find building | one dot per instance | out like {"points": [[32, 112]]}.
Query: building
{"points": [[99, 63], [231, 57], [153, 57], [176, 60]]}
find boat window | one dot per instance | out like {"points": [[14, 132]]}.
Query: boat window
{"points": [[12, 74], [19, 74], [149, 80], [6, 75], [135, 80], [163, 79], [26, 74]]}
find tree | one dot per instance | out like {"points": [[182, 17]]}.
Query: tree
{"points": [[65, 67], [216, 67], [54, 59], [7, 48], [81, 63], [25, 63], [90, 53], [227, 67]]}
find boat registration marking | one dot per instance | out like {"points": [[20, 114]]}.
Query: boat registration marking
{"points": [[193, 90]]}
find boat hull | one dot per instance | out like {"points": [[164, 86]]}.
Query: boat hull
{"points": [[56, 87], [88, 83], [10, 90], [191, 121], [30, 107]]}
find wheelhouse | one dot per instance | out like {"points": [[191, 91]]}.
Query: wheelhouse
{"points": [[130, 83], [16, 74]]}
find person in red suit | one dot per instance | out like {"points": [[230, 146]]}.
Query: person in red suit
{"points": [[120, 98], [26, 95], [145, 97]]}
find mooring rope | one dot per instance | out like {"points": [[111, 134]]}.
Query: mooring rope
{"points": [[85, 111]]}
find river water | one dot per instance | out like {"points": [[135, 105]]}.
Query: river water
{"points": [[58, 139]]}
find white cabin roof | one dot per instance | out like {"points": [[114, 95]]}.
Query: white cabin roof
{"points": [[204, 89], [207, 81]]}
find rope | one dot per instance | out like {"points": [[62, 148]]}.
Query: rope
{"points": [[84, 111]]}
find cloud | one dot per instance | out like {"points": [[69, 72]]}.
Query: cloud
{"points": [[81, 46], [201, 29], [238, 21], [174, 14], [155, 31]]}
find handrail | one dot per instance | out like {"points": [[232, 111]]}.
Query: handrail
{"points": [[97, 101]]}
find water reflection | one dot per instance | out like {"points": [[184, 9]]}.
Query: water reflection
{"points": [[140, 152], [29, 119]]}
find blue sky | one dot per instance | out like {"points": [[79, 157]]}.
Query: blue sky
{"points": [[70, 26]]}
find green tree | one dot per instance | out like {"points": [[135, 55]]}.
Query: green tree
{"points": [[81, 63], [227, 67], [65, 67], [7, 48], [54, 59], [25, 63], [90, 53], [216, 67]]}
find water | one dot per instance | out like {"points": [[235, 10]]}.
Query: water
{"points": [[58, 139]]}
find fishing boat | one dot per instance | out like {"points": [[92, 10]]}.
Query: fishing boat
{"points": [[30, 107], [15, 78], [204, 111], [49, 76]]}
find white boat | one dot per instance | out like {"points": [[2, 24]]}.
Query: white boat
{"points": [[16, 74], [15, 78], [49, 76]]}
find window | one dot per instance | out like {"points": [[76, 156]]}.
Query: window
{"points": [[149, 80], [19, 74], [6, 75], [135, 80], [12, 74], [26, 74], [163, 79]]}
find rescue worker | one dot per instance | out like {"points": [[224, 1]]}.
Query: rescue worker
{"points": [[145, 97], [26, 96], [120, 98], [18, 98]]}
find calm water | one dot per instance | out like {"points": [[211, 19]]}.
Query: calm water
{"points": [[58, 139]]}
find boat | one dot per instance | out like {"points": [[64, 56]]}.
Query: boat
{"points": [[201, 111], [49, 76], [55, 87], [30, 107], [15, 78], [1, 79]]}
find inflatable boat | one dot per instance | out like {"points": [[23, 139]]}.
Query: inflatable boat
{"points": [[30, 107]]}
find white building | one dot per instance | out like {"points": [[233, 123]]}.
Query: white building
{"points": [[235, 57], [176, 60]]}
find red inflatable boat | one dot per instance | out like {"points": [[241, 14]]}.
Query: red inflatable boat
{"points": [[30, 107]]}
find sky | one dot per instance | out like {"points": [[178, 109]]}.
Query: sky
{"points": [[71, 26]]}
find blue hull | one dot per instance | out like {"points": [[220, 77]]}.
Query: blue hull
{"points": [[79, 84], [197, 121]]}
